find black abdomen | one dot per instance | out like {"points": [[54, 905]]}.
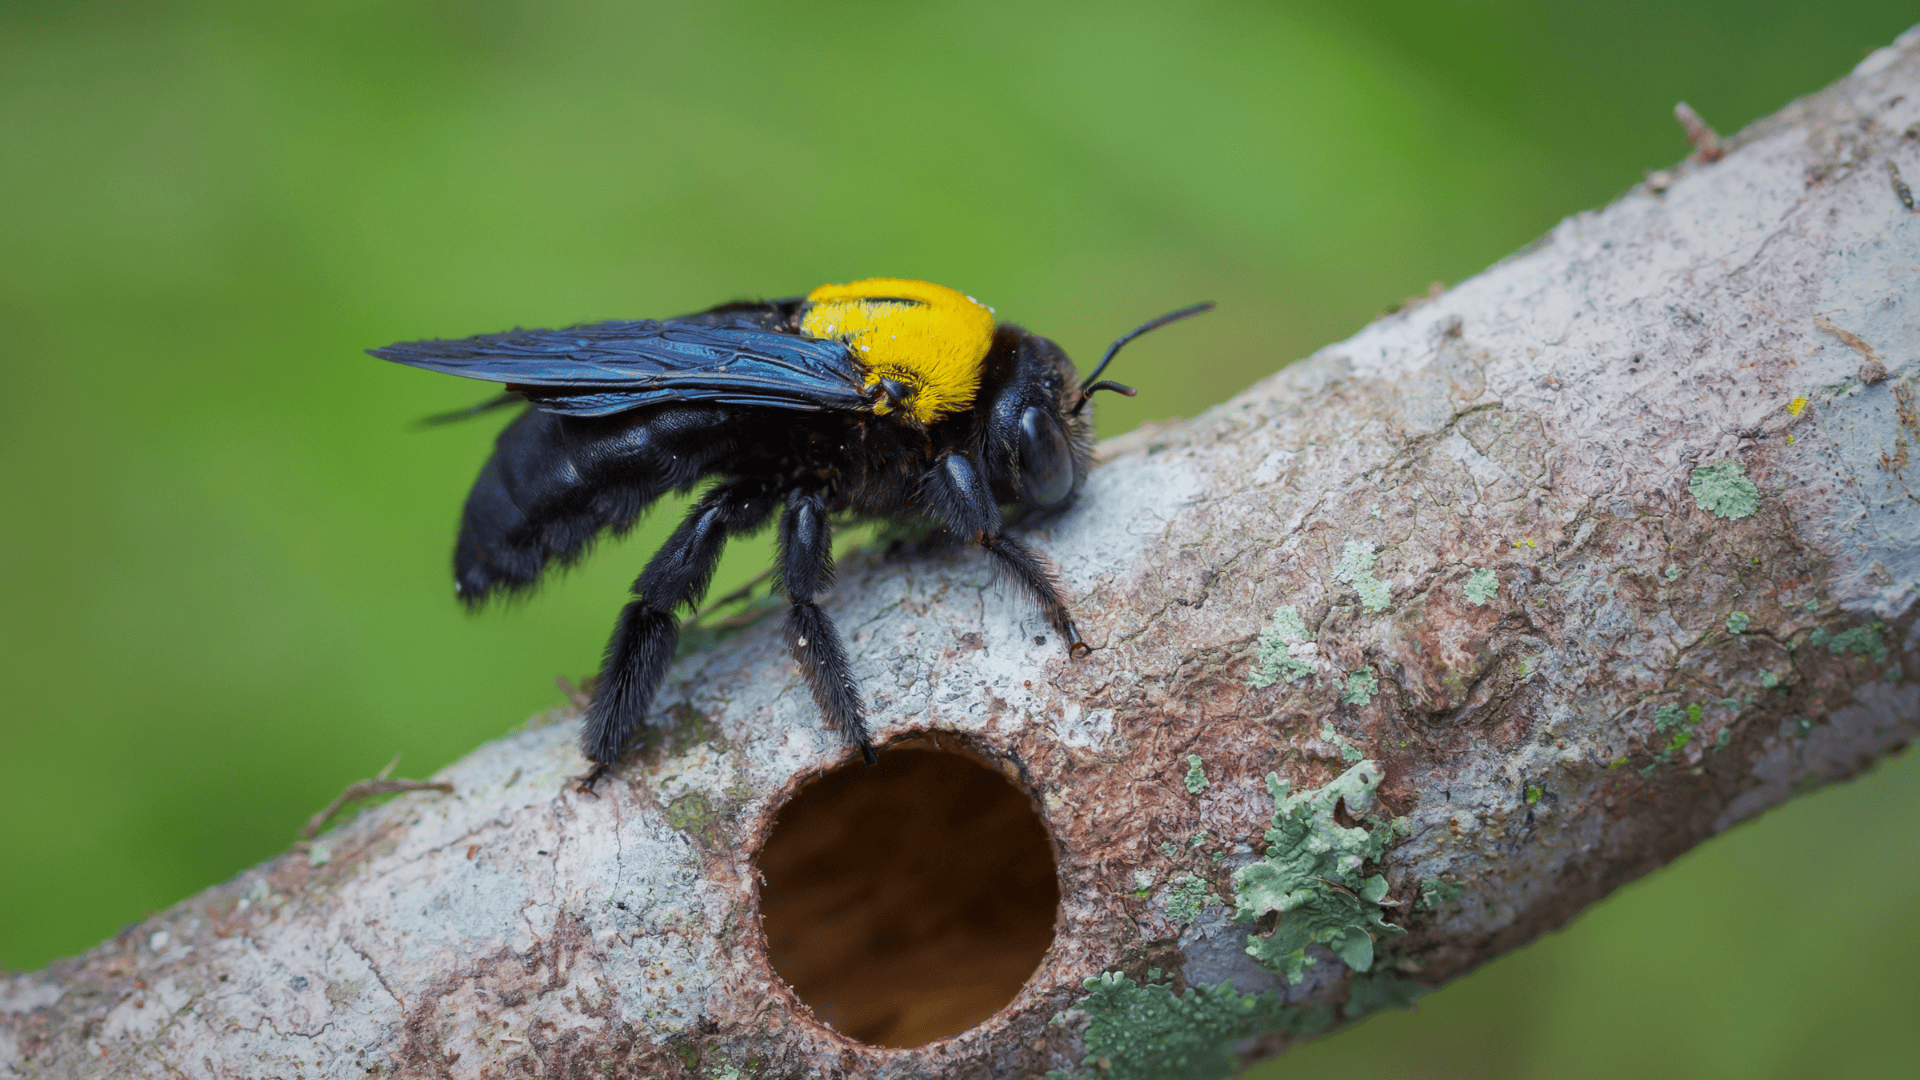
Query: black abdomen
{"points": [[553, 483]]}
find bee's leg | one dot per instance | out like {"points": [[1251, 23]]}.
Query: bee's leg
{"points": [[643, 640], [1030, 568], [958, 497], [806, 567]]}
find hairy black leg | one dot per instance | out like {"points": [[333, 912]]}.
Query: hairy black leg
{"points": [[957, 496], [1032, 572], [643, 640], [806, 567]]}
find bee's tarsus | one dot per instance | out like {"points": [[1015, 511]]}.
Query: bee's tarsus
{"points": [[958, 497], [1075, 647], [643, 641], [585, 782], [806, 567]]}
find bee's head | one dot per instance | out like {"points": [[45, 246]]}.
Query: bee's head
{"points": [[1038, 431]]}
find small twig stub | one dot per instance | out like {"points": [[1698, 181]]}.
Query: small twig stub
{"points": [[379, 784], [1704, 140], [1900, 189]]}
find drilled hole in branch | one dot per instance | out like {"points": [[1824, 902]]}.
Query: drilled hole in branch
{"points": [[909, 900]]}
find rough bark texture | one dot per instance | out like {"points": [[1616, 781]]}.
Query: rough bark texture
{"points": [[1581, 665]]}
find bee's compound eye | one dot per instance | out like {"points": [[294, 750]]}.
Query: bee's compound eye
{"points": [[1046, 461]]}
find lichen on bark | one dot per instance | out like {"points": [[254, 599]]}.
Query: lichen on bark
{"points": [[1309, 884], [1147, 1032]]}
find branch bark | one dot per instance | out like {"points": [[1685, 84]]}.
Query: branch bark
{"points": [[1593, 556]]}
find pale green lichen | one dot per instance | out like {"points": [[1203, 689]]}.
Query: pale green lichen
{"points": [[1196, 777], [1861, 641], [1436, 893], [1361, 686], [1723, 489], [1355, 568], [1769, 679], [1288, 626], [1186, 895], [1144, 1032], [1681, 722], [1311, 877], [1481, 586], [1673, 573], [1738, 622], [1348, 753], [1272, 662], [1671, 715]]}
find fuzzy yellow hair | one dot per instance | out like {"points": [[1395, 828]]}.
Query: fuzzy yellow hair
{"points": [[927, 337]]}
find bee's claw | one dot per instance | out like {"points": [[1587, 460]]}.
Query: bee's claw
{"points": [[1075, 647], [584, 784]]}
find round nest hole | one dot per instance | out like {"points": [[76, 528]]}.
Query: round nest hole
{"points": [[908, 900]]}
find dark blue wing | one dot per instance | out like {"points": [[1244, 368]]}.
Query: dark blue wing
{"points": [[610, 367]]}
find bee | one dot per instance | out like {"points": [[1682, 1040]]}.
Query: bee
{"points": [[877, 399]]}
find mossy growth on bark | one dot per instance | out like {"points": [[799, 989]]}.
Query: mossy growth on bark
{"points": [[1143, 1031]]}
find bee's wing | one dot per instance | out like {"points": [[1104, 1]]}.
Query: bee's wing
{"points": [[610, 367]]}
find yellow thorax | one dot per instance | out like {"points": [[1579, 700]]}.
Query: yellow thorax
{"points": [[925, 336]]}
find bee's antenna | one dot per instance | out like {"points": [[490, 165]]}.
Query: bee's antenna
{"points": [[1092, 383]]}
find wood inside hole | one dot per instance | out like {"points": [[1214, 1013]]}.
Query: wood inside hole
{"points": [[909, 900]]}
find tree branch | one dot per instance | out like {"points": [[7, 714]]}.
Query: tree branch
{"points": [[1524, 591]]}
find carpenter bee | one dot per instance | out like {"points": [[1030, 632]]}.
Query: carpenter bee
{"points": [[880, 398]]}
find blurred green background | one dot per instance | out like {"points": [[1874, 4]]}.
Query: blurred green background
{"points": [[223, 560]]}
